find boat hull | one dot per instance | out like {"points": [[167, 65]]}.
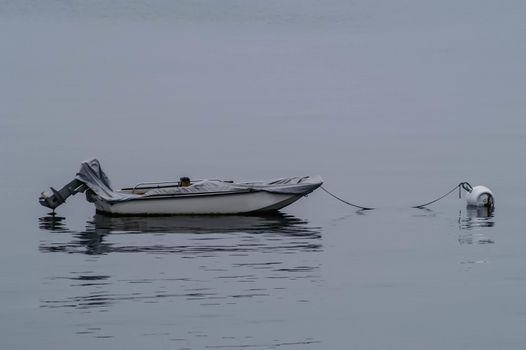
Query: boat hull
{"points": [[222, 203]]}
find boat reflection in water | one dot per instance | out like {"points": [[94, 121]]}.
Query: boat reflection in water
{"points": [[474, 221], [187, 234], [53, 223], [277, 222]]}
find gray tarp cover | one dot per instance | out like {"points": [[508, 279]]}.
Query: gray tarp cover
{"points": [[93, 176]]}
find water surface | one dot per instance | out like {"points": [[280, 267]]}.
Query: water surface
{"points": [[393, 103]]}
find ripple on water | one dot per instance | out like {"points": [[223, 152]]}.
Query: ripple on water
{"points": [[232, 260], [473, 224], [202, 235]]}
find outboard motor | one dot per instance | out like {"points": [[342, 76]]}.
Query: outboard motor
{"points": [[55, 198], [480, 196]]}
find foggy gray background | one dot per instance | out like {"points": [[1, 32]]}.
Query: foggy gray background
{"points": [[392, 102]]}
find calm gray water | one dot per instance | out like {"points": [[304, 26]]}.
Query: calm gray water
{"points": [[393, 103]]}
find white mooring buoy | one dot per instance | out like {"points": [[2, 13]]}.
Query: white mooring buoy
{"points": [[480, 196]]}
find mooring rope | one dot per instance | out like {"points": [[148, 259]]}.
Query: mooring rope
{"points": [[344, 201], [463, 185]]}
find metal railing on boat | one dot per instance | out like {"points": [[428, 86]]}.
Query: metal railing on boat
{"points": [[160, 184]]}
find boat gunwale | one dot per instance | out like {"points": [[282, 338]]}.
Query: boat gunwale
{"points": [[184, 195], [209, 194]]}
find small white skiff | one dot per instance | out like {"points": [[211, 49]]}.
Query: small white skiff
{"points": [[181, 197]]}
